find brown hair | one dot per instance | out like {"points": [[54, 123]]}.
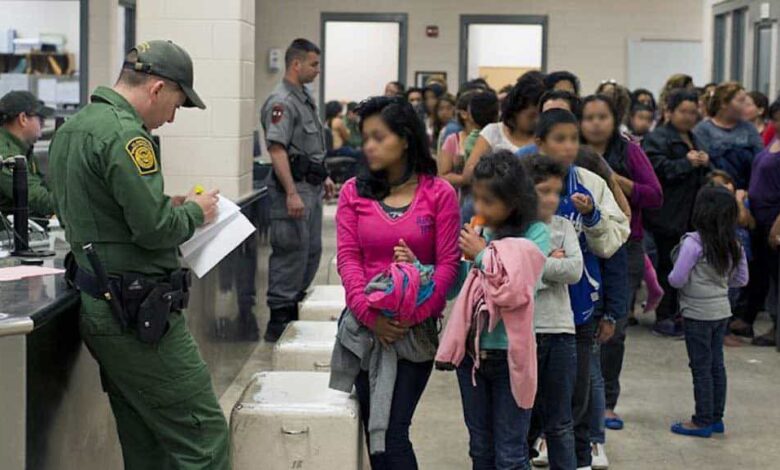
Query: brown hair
{"points": [[722, 95], [724, 175], [675, 82]]}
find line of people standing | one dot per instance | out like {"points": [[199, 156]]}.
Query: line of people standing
{"points": [[590, 184]]}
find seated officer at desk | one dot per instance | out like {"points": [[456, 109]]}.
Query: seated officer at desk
{"points": [[21, 120]]}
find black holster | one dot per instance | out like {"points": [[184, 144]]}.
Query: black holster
{"points": [[146, 302], [303, 168]]}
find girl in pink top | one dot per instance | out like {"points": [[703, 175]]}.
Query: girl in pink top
{"points": [[396, 204]]}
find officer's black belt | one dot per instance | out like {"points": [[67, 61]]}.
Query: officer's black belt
{"points": [[178, 295], [303, 168]]}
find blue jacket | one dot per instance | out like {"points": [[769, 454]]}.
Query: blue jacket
{"points": [[615, 298], [585, 293]]}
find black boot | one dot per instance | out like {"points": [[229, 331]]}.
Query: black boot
{"points": [[276, 324], [294, 314]]}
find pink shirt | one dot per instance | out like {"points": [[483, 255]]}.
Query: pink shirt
{"points": [[366, 236]]}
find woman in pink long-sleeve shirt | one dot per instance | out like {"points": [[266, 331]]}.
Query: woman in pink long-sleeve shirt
{"points": [[396, 201]]}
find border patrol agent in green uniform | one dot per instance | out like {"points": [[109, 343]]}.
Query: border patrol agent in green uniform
{"points": [[107, 180], [21, 120], [296, 142]]}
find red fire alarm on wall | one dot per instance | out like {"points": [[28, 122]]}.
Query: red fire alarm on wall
{"points": [[432, 31]]}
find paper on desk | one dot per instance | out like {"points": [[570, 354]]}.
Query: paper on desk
{"points": [[16, 273], [212, 243]]}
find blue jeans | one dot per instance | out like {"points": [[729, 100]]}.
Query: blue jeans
{"points": [[597, 396], [498, 428], [410, 382], [704, 341], [557, 369]]}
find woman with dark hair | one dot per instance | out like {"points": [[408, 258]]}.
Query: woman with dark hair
{"points": [[394, 88], [678, 81], [644, 96], [562, 81], [555, 99], [637, 180], [731, 142], [443, 115], [339, 134], [431, 95], [561, 99], [681, 165], [396, 203], [606, 86], [518, 122], [756, 112]]}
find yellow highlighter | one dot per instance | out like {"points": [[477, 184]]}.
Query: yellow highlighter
{"points": [[199, 189]]}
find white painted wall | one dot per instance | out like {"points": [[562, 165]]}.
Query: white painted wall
{"points": [[32, 18], [361, 58], [650, 63], [589, 37], [501, 45]]}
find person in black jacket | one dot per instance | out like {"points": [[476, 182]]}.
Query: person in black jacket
{"points": [[681, 165]]}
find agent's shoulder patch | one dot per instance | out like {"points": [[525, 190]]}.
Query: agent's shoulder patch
{"points": [[277, 113], [141, 152]]}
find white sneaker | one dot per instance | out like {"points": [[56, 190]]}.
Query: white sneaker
{"points": [[584, 468], [599, 459], [540, 460]]}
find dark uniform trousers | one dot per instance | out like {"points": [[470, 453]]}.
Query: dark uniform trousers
{"points": [[161, 394], [296, 245]]}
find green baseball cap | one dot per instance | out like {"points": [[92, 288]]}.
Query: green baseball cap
{"points": [[167, 60], [17, 102]]}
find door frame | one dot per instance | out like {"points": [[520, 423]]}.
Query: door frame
{"points": [[757, 27], [468, 20], [403, 32]]}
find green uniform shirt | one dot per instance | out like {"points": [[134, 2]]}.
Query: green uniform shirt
{"points": [[40, 200], [108, 186]]}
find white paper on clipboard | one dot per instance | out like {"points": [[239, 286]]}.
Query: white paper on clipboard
{"points": [[212, 243]]}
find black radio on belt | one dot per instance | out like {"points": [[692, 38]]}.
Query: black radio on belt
{"points": [[304, 169]]}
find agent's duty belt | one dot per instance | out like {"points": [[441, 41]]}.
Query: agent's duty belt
{"points": [[304, 168], [144, 303]]}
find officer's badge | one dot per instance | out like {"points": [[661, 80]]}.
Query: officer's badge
{"points": [[142, 153], [277, 112]]}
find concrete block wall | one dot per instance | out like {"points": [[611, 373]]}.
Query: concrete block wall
{"points": [[211, 147], [102, 43]]}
